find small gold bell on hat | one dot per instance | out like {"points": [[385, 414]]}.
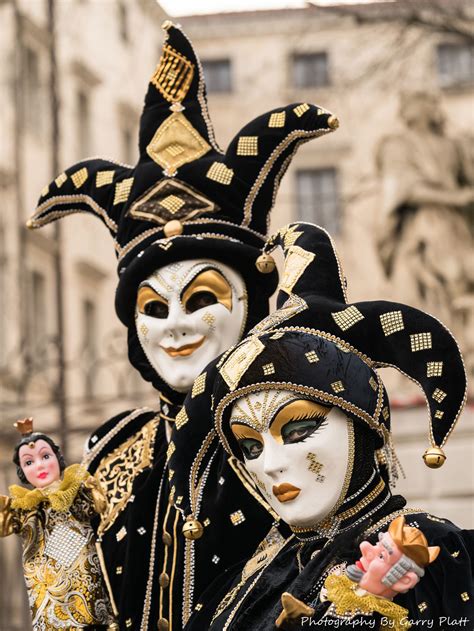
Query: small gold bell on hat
{"points": [[434, 457], [333, 122], [265, 263], [192, 528], [173, 228]]}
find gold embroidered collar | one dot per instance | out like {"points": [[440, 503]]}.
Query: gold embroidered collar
{"points": [[60, 495]]}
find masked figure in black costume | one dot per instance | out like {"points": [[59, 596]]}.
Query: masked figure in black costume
{"points": [[299, 401], [188, 223]]}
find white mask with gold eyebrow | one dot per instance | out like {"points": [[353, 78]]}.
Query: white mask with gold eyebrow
{"points": [[296, 450], [187, 314]]}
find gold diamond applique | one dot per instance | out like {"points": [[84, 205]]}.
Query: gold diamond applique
{"points": [[385, 413], [170, 451], [347, 318], [174, 75], [455, 554], [277, 119], [172, 203], [439, 395], [420, 342], [122, 190], [103, 178], [237, 518], [338, 386], [144, 329], [176, 131], [122, 533], [119, 570], [206, 522], [209, 319], [391, 322], [238, 362], [199, 385], [434, 369], [465, 596], [299, 110], [312, 357], [439, 414], [220, 173], [181, 419], [422, 607], [79, 177], [373, 384], [268, 369], [247, 146], [59, 181], [45, 191]]}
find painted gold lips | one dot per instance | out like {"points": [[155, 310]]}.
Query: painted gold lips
{"points": [[185, 350], [285, 492]]}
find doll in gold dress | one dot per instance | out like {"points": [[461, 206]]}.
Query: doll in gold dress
{"points": [[60, 563]]}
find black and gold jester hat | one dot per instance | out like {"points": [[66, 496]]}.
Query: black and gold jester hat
{"points": [[313, 297], [186, 198]]}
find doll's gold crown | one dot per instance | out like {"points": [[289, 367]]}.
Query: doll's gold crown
{"points": [[24, 426]]}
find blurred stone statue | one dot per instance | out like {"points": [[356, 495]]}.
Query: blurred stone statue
{"points": [[425, 235]]}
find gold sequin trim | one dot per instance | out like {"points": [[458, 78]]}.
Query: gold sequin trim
{"points": [[220, 173], [79, 177], [391, 322], [277, 119], [347, 318], [247, 146], [181, 418], [299, 110], [122, 190], [420, 342], [439, 395], [59, 181], [199, 385], [174, 75], [103, 178], [434, 369]]}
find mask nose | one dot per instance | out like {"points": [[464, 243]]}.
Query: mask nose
{"points": [[274, 459], [178, 324]]}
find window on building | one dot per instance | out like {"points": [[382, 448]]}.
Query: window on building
{"points": [[83, 125], [217, 74], [310, 70], [89, 344], [123, 22], [455, 64], [37, 316], [32, 89], [318, 197]]}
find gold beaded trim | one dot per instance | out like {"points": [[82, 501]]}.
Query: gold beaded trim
{"points": [[37, 220]]}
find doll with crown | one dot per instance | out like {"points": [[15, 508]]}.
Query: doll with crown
{"points": [[60, 562]]}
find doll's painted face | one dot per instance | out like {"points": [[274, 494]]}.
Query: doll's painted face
{"points": [[187, 314], [39, 463], [296, 450]]}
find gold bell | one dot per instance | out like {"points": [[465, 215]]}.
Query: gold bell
{"points": [[333, 122], [434, 457], [173, 228], [265, 263], [192, 529]]}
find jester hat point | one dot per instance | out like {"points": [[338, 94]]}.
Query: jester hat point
{"points": [[338, 346], [185, 197]]}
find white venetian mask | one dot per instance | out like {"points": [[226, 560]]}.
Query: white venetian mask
{"points": [[187, 314], [296, 450]]}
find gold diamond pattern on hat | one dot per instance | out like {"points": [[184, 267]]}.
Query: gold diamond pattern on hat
{"points": [[173, 203], [79, 177], [297, 260], [170, 451], [103, 178], [220, 173], [173, 75], [277, 119], [122, 190], [373, 384], [299, 110], [199, 385], [247, 146], [181, 418], [312, 357], [338, 386], [240, 360], [420, 342], [385, 413], [268, 369], [391, 322], [347, 318], [45, 191], [439, 395], [237, 518], [439, 414], [434, 369], [176, 132], [290, 236], [59, 181]]}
